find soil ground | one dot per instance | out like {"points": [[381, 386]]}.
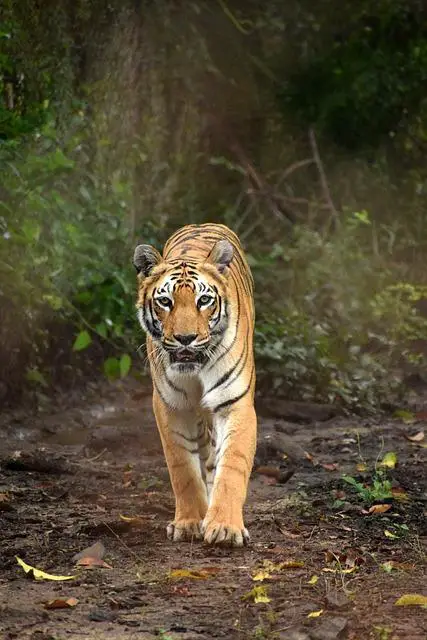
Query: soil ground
{"points": [[68, 475]]}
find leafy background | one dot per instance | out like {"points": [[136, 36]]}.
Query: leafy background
{"points": [[301, 125]]}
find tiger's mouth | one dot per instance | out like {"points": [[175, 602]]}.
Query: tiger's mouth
{"points": [[186, 356]]}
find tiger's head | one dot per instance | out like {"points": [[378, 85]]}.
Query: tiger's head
{"points": [[182, 304]]}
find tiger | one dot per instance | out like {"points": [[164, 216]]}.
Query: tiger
{"points": [[196, 306]]}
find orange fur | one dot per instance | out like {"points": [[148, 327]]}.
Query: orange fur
{"points": [[196, 304]]}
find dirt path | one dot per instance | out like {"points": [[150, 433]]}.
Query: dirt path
{"points": [[315, 549]]}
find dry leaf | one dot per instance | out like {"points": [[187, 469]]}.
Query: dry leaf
{"points": [[329, 570], [61, 604], [399, 494], [286, 564], [136, 521], [37, 574], [418, 437], [379, 508], [257, 594], [193, 574], [315, 614], [392, 564], [330, 466], [96, 550], [313, 580], [361, 467], [411, 599], [389, 460], [261, 576], [87, 561]]}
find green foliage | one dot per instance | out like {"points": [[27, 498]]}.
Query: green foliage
{"points": [[369, 78], [96, 150], [65, 253], [379, 490], [335, 324]]}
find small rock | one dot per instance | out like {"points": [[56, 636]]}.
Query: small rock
{"points": [[337, 600], [98, 615], [330, 629]]}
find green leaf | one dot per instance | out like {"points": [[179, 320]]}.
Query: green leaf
{"points": [[125, 365], [389, 460], [112, 368], [34, 375], [83, 297], [101, 329], [82, 341], [406, 416]]}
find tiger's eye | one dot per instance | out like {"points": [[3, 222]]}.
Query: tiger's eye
{"points": [[164, 301], [204, 300]]}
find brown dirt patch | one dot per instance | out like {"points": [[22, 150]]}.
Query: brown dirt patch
{"points": [[84, 465]]}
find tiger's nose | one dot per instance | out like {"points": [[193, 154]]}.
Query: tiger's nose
{"points": [[186, 338]]}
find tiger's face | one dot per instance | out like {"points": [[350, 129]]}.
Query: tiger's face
{"points": [[182, 305]]}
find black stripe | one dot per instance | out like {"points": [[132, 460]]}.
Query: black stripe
{"points": [[218, 449], [224, 353], [232, 401], [226, 375], [174, 387], [246, 351], [159, 392]]}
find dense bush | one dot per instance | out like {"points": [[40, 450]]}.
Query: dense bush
{"points": [[337, 324], [121, 121], [65, 256]]}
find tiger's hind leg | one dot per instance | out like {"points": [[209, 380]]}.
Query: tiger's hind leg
{"points": [[180, 432]]}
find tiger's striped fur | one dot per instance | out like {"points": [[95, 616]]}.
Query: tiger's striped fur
{"points": [[196, 306]]}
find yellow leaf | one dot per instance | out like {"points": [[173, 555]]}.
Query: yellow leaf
{"points": [[361, 466], [392, 564], [350, 570], [193, 574], [315, 614], [410, 599], [257, 594], [313, 580], [379, 508], [37, 574], [389, 460], [286, 564], [261, 576], [389, 534], [133, 519]]}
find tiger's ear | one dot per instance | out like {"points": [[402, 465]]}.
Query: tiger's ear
{"points": [[145, 259], [221, 255]]}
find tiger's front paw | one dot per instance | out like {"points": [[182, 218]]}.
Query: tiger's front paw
{"points": [[180, 530], [228, 535]]}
